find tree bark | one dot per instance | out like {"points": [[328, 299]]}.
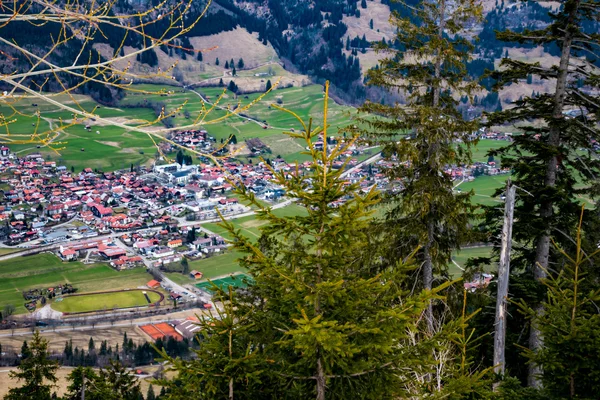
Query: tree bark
{"points": [[436, 89], [320, 371], [320, 380], [546, 209], [438, 58], [428, 273], [503, 279]]}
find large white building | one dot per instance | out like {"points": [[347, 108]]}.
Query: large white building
{"points": [[176, 173]]}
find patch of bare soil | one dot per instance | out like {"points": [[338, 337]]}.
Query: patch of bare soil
{"points": [[128, 150], [108, 143]]}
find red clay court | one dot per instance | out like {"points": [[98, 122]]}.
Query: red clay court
{"points": [[158, 331]]}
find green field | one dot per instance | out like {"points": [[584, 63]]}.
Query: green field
{"points": [[117, 148], [105, 301], [215, 266], [463, 255], [484, 188], [479, 152], [224, 283], [45, 270]]}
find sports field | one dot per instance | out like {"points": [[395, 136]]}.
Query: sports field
{"points": [[45, 270], [105, 301], [224, 283], [484, 188]]}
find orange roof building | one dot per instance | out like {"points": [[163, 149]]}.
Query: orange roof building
{"points": [[153, 284]]}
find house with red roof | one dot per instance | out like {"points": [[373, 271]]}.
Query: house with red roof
{"points": [[101, 211], [175, 243], [153, 284]]}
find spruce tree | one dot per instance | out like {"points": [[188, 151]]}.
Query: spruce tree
{"points": [[199, 57], [240, 63], [36, 370], [226, 64], [322, 317], [570, 326], [232, 87], [549, 158], [217, 61], [430, 70], [113, 382], [268, 86], [150, 394]]}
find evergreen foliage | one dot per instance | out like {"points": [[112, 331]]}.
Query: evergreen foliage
{"points": [[322, 317], [570, 326], [114, 382], [422, 134], [36, 370], [549, 158]]}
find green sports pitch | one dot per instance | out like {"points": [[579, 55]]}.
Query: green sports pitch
{"points": [[236, 281], [105, 301]]}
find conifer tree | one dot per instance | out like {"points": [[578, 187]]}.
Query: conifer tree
{"points": [[217, 61], [546, 160], [113, 382], [240, 63], [268, 86], [199, 56], [429, 70], [150, 394], [36, 370], [226, 64], [322, 318], [570, 326], [232, 87]]}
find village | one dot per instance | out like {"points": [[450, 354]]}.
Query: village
{"points": [[153, 217], [46, 203]]}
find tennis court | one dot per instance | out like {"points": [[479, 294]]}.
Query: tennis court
{"points": [[237, 281]]}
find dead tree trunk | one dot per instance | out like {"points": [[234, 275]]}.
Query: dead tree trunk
{"points": [[503, 278]]}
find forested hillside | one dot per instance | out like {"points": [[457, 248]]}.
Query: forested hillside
{"points": [[325, 39]]}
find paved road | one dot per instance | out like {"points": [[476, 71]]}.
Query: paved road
{"points": [[368, 161]]}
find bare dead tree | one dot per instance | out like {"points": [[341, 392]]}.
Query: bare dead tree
{"points": [[503, 278]]}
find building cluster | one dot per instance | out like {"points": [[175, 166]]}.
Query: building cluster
{"points": [[39, 196]]}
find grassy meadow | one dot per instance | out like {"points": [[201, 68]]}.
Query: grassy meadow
{"points": [[105, 301], [109, 147], [45, 270]]}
